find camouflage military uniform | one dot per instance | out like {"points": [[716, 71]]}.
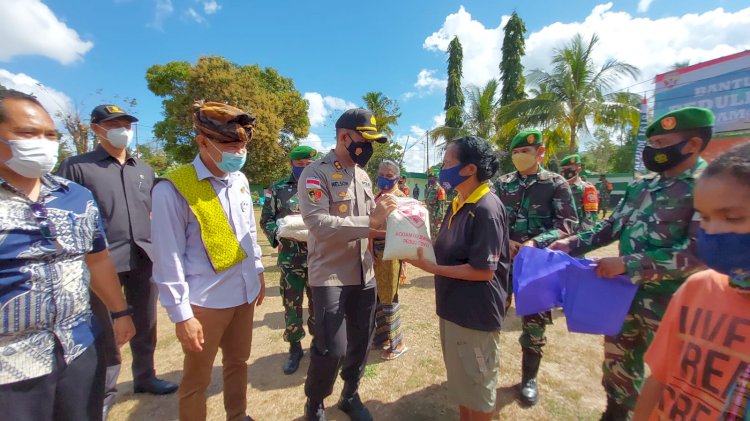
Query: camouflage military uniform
{"points": [[604, 193], [586, 220], [540, 208], [656, 225], [280, 202], [434, 197]]}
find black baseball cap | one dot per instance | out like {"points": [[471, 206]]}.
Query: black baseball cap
{"points": [[363, 121], [108, 112]]}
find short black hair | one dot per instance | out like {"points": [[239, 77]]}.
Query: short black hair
{"points": [[704, 133], [734, 162], [477, 151], [13, 94]]}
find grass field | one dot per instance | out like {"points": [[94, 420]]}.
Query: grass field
{"points": [[409, 388]]}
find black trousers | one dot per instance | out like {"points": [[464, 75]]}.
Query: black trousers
{"points": [[71, 392], [344, 326], [142, 294]]}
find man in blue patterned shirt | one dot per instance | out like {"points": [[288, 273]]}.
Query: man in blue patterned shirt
{"points": [[52, 246]]}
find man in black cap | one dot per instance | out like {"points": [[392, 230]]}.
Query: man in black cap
{"points": [[121, 184], [338, 207]]}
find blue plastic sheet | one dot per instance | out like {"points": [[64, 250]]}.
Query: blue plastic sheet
{"points": [[545, 279]]}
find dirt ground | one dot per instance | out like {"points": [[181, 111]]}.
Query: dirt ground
{"points": [[409, 388]]}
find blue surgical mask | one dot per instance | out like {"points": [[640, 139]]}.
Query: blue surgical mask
{"points": [[727, 253], [297, 171], [450, 177], [230, 162], [385, 183]]}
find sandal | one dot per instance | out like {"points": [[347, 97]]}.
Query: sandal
{"points": [[392, 354]]}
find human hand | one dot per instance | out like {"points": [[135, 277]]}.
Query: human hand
{"points": [[560, 245], [190, 334], [384, 207], [262, 292], [124, 329], [422, 263], [530, 243], [609, 267], [515, 247]]}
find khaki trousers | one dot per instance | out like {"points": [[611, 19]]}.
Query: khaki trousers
{"points": [[230, 329]]}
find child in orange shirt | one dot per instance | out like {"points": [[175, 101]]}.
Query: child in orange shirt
{"points": [[700, 357]]}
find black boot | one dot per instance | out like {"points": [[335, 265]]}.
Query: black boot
{"points": [[295, 355], [315, 411], [615, 412], [352, 405], [530, 367]]}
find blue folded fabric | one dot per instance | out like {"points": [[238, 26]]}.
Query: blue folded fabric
{"points": [[546, 279]]}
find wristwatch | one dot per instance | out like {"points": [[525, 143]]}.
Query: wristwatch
{"points": [[127, 312]]}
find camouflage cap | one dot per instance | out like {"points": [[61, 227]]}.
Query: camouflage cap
{"points": [[302, 152], [571, 160], [687, 118], [529, 137], [223, 123]]}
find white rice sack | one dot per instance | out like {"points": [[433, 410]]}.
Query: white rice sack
{"points": [[408, 229], [292, 227]]}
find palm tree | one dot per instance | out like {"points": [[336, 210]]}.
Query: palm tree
{"points": [[479, 117], [385, 110], [573, 92]]}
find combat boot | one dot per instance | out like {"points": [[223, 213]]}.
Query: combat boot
{"points": [[530, 367], [352, 405], [315, 411], [295, 355], [615, 412]]}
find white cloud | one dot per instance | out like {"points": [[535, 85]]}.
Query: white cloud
{"points": [[649, 44], [210, 7], [163, 9], [320, 107], [192, 14], [438, 120], [29, 27], [643, 5], [53, 100], [426, 80]]}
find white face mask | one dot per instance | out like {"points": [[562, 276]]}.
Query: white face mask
{"points": [[32, 158], [120, 137]]}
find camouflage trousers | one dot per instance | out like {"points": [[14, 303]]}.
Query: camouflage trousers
{"points": [[435, 223], [623, 354], [293, 287]]}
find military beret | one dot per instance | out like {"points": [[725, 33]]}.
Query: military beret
{"points": [[571, 159], [528, 137], [433, 171], [687, 118], [302, 152]]}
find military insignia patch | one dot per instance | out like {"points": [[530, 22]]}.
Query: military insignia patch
{"points": [[373, 121], [314, 195], [530, 138], [343, 207], [343, 194], [114, 109], [669, 123], [312, 183], [337, 176], [337, 164], [661, 158]]}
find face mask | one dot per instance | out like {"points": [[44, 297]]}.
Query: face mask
{"points": [[297, 171], [450, 177], [727, 253], [32, 158], [385, 183], [120, 137], [660, 160], [524, 161], [568, 174], [365, 152], [230, 162]]}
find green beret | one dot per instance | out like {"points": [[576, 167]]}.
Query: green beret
{"points": [[528, 137], [571, 159], [687, 118], [302, 152], [433, 171]]}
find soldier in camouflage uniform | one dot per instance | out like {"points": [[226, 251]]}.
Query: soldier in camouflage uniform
{"points": [[435, 200], [656, 226], [540, 209], [604, 187], [280, 201], [570, 168]]}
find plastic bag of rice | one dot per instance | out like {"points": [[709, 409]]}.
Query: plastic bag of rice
{"points": [[292, 226], [408, 229]]}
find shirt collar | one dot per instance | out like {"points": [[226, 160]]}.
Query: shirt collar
{"points": [[101, 154], [50, 183], [203, 172], [474, 197]]}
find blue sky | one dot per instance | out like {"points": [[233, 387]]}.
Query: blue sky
{"points": [[335, 51]]}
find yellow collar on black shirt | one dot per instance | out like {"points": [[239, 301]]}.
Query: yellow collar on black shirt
{"points": [[474, 197]]}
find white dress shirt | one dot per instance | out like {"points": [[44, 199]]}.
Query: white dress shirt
{"points": [[182, 270]]}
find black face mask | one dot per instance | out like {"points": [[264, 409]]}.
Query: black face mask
{"points": [[660, 160], [365, 152], [568, 174]]}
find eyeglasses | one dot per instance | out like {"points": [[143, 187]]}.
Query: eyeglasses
{"points": [[47, 228]]}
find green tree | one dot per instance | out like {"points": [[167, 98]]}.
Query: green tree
{"points": [[454, 96], [576, 90], [479, 117], [155, 157], [386, 112], [280, 110], [511, 69]]}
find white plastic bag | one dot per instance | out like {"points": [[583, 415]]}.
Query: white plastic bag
{"points": [[292, 227], [408, 229]]}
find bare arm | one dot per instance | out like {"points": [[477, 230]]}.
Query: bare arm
{"points": [[106, 285], [649, 398]]}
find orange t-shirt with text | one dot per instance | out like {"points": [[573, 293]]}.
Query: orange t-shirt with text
{"points": [[702, 345]]}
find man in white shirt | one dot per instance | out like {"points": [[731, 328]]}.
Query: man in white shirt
{"points": [[207, 259]]}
